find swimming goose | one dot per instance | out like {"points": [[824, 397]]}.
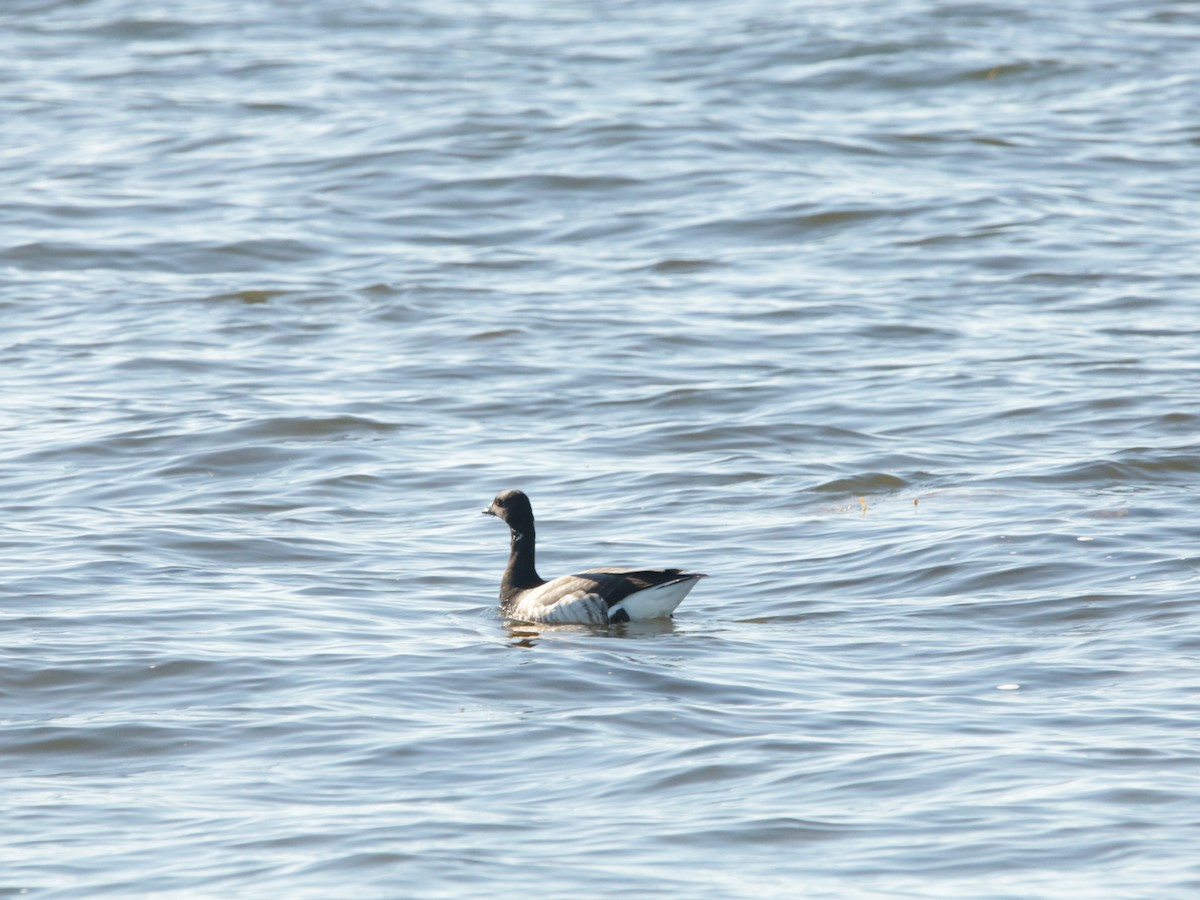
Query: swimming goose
{"points": [[594, 597]]}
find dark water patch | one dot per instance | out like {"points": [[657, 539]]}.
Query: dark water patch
{"points": [[1134, 467], [535, 184], [888, 332], [773, 226], [178, 365], [681, 266], [260, 459], [498, 334], [194, 258], [864, 483], [64, 748], [253, 296], [305, 428]]}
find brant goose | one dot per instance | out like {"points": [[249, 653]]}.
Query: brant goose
{"points": [[594, 597]]}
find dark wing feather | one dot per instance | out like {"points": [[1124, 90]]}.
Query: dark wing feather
{"points": [[615, 584]]}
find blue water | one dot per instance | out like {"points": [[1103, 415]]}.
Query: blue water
{"points": [[882, 316]]}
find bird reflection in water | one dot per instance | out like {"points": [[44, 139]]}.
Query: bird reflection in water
{"points": [[528, 634]]}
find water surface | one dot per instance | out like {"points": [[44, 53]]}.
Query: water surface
{"points": [[882, 316]]}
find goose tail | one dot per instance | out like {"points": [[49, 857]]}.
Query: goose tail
{"points": [[656, 602]]}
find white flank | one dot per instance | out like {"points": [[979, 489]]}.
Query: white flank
{"points": [[656, 602], [578, 608]]}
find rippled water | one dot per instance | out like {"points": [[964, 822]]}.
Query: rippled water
{"points": [[882, 315]]}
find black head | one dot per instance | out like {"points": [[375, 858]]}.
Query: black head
{"points": [[513, 507]]}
